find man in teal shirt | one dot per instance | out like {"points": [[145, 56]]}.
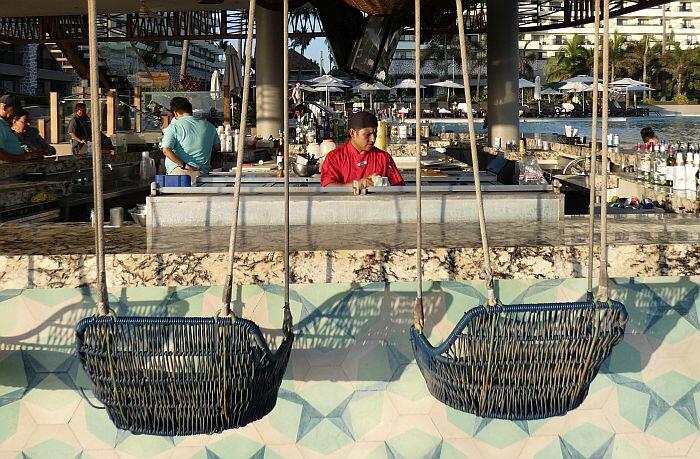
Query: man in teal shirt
{"points": [[10, 147], [188, 141]]}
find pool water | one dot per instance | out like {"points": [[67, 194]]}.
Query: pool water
{"points": [[671, 128]]}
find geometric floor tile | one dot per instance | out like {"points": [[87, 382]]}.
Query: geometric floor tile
{"points": [[352, 388]]}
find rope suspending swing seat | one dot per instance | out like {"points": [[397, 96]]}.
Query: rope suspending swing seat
{"points": [[183, 375], [524, 361]]}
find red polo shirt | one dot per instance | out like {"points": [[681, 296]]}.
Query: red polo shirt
{"points": [[345, 164]]}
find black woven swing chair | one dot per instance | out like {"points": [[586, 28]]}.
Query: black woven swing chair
{"points": [[183, 375], [524, 361]]}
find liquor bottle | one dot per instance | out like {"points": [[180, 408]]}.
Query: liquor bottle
{"points": [[403, 130], [521, 143], [638, 172], [689, 172], [679, 173], [696, 165], [661, 167], [652, 166], [670, 170], [646, 164]]}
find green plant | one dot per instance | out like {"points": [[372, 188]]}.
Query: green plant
{"points": [[681, 99], [571, 59]]}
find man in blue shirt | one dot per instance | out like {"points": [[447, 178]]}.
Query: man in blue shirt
{"points": [[188, 141], [10, 147]]}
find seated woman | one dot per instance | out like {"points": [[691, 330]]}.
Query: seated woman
{"points": [[358, 160], [29, 136]]}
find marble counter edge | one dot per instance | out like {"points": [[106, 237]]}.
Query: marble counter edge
{"points": [[342, 266]]}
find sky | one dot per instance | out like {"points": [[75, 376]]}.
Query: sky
{"points": [[314, 50]]}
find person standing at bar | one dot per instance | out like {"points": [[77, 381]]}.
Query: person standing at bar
{"points": [[80, 130], [188, 141], [358, 161]]}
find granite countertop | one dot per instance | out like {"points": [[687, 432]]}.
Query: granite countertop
{"points": [[78, 238]]}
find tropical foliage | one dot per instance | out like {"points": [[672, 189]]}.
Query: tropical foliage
{"points": [[643, 60]]}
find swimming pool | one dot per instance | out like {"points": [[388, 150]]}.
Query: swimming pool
{"points": [[672, 128]]}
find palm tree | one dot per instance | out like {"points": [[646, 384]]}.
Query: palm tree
{"points": [[645, 52], [572, 59], [680, 64], [183, 61], [618, 46]]}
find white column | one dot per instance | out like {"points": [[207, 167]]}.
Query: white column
{"points": [[269, 80], [502, 56]]}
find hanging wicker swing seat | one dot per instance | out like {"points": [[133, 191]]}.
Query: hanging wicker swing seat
{"points": [[184, 375], [525, 361], [181, 375]]}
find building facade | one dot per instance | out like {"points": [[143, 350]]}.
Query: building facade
{"points": [[30, 69], [680, 20]]}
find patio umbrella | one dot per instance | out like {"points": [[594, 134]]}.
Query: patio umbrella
{"points": [[549, 92], [449, 84], [324, 80], [371, 88], [538, 93], [634, 89], [232, 71], [215, 85], [328, 89], [627, 82], [522, 84], [579, 79], [408, 83], [574, 86], [335, 85]]}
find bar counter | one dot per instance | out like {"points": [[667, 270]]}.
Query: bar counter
{"points": [[62, 255]]}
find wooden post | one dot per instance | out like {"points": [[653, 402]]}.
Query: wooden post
{"points": [[227, 105], [111, 112], [41, 127], [137, 104], [55, 118]]}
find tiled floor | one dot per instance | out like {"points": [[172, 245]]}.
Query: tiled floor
{"points": [[352, 388]]}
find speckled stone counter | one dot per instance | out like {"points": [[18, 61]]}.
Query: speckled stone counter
{"points": [[61, 255]]}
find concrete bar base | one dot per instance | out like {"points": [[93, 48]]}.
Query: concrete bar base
{"points": [[260, 210]]}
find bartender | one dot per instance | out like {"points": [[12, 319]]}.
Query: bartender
{"points": [[188, 141], [358, 162]]}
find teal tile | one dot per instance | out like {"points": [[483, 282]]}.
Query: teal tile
{"points": [[143, 446], [13, 379], [414, 443], [9, 421], [326, 438], [364, 412], [672, 386], [500, 433], [672, 427], [410, 384], [286, 417], [466, 422], [587, 440], [633, 405], [52, 449], [54, 296], [235, 445]]}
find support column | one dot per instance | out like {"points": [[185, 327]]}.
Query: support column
{"points": [[55, 118], [269, 91], [502, 56]]}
